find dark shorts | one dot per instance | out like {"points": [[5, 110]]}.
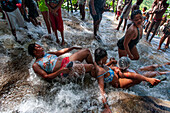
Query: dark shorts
{"points": [[99, 12], [33, 13]]}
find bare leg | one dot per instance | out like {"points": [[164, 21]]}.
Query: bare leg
{"points": [[62, 36], [96, 26], [156, 27], [124, 24], [120, 22], [139, 77], [56, 34], [147, 25], [154, 73], [122, 53], [47, 22], [135, 53], [81, 55], [161, 41], [150, 29], [167, 43]]}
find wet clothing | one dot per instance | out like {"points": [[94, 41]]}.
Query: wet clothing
{"points": [[64, 62], [110, 77], [9, 5], [99, 7], [32, 8], [131, 44], [15, 19], [48, 62], [56, 21], [42, 6]]}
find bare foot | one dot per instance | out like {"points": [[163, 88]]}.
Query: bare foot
{"points": [[153, 81], [166, 47], [116, 29], [158, 48], [58, 41], [63, 42]]}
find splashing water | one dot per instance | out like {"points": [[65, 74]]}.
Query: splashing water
{"points": [[79, 92]]}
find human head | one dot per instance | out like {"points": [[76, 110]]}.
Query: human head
{"points": [[31, 49], [124, 63], [145, 8], [35, 50], [99, 54], [134, 13]]}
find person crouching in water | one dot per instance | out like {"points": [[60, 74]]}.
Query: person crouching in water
{"points": [[108, 73], [127, 44], [50, 65]]}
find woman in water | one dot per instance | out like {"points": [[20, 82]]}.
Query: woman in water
{"points": [[127, 44], [50, 65], [107, 73]]}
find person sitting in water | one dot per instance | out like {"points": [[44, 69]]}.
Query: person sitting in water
{"points": [[127, 44], [107, 73], [50, 65]]}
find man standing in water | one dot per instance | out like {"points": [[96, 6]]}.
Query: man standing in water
{"points": [[96, 11], [159, 11]]}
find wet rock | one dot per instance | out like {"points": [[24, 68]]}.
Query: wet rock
{"points": [[127, 103]]}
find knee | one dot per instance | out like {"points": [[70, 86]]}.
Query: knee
{"points": [[136, 58], [86, 51]]}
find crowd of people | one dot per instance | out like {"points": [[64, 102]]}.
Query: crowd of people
{"points": [[50, 65]]}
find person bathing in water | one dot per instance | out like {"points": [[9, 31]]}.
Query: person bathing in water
{"points": [[115, 76], [50, 65], [127, 44]]}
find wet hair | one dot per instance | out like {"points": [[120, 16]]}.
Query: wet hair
{"points": [[99, 54], [134, 13], [124, 63], [31, 49]]}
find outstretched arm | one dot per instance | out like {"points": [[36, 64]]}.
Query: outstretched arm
{"points": [[101, 87], [65, 50]]}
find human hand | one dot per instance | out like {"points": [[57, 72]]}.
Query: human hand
{"points": [[65, 70], [113, 60], [131, 56], [94, 12], [107, 110]]}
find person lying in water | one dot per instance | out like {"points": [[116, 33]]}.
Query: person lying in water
{"points": [[106, 73], [50, 65]]}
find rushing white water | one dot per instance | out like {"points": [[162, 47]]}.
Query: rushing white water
{"points": [[79, 94]]}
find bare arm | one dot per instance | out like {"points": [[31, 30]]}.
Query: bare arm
{"points": [[49, 7], [101, 86], [58, 6], [65, 50], [130, 34], [37, 69], [92, 6], [112, 61]]}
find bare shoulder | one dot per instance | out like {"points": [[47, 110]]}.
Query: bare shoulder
{"points": [[131, 32]]}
